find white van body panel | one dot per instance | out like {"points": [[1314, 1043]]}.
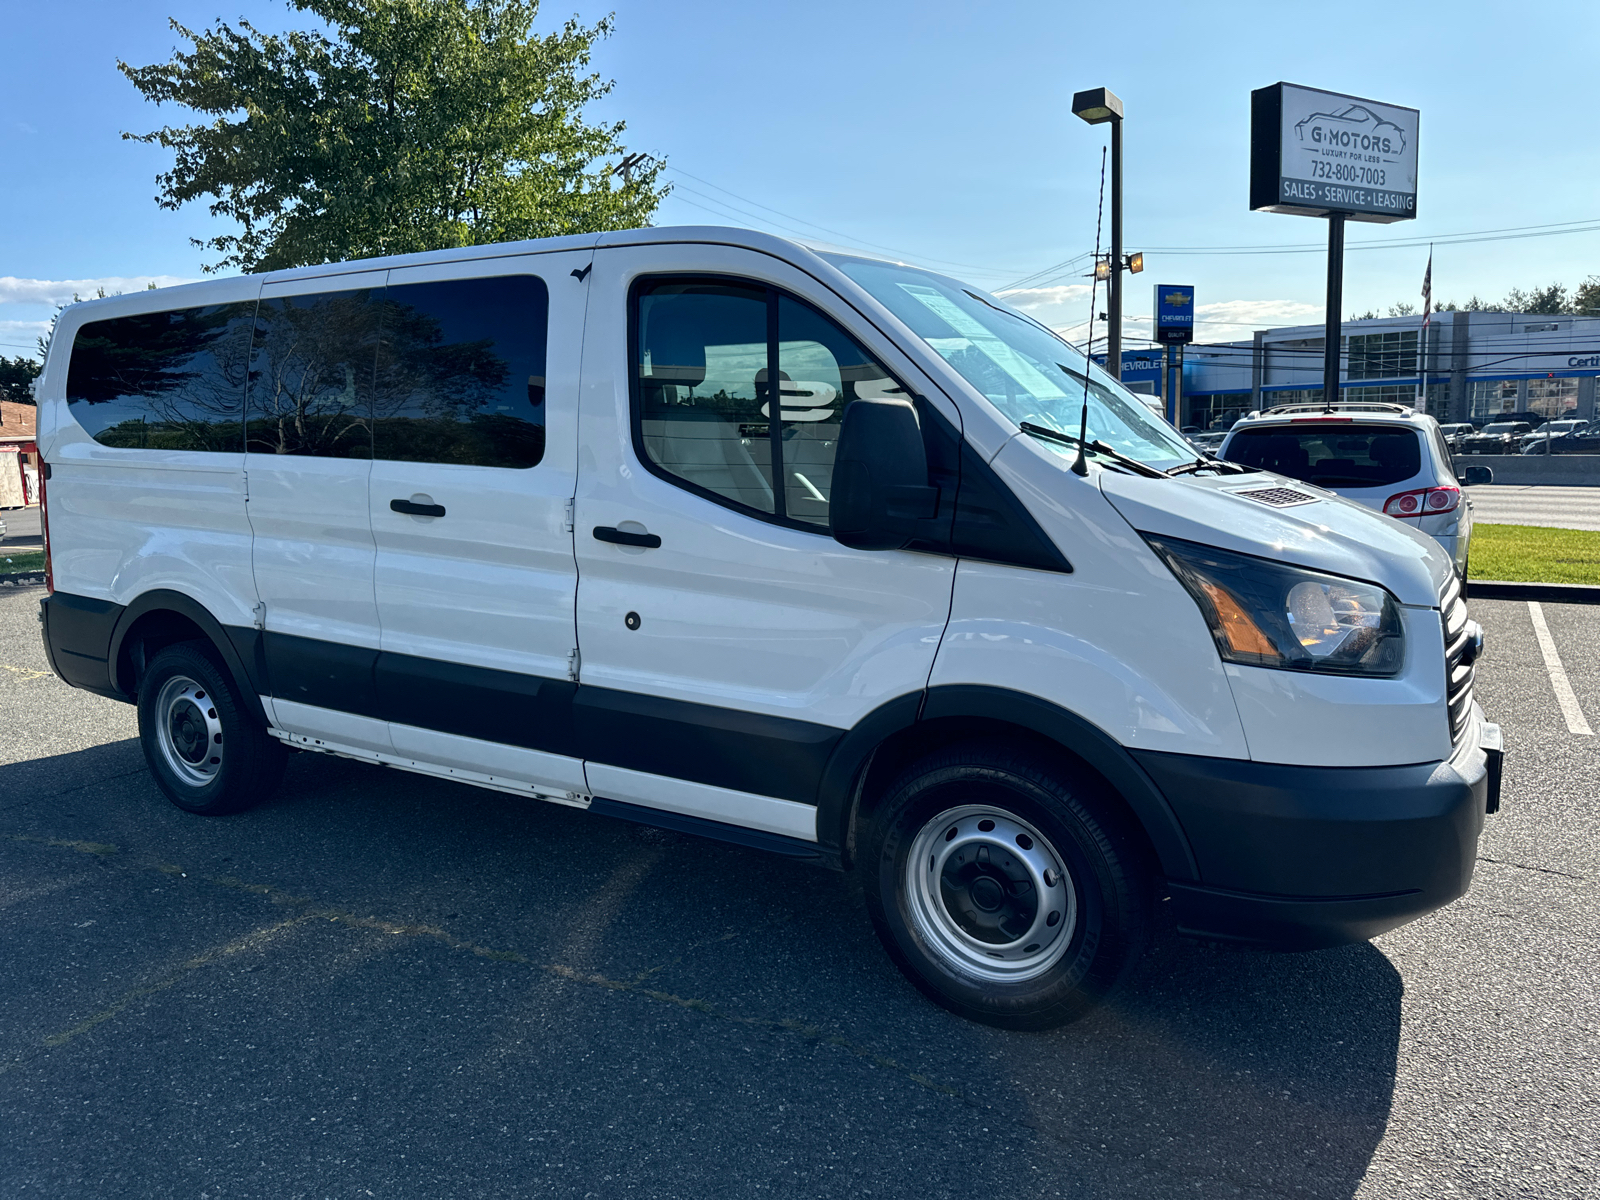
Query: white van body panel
{"points": [[1118, 641], [736, 612], [532, 767], [766, 813], [342, 728], [313, 552], [492, 582], [128, 521]]}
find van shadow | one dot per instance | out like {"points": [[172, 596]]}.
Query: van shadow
{"points": [[1210, 1073]]}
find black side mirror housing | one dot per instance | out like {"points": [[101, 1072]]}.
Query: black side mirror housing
{"points": [[881, 497], [1474, 476]]}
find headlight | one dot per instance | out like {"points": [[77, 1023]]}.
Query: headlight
{"points": [[1266, 614]]}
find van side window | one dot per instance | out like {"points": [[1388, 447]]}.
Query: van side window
{"points": [[311, 375], [460, 375], [703, 354], [163, 380]]}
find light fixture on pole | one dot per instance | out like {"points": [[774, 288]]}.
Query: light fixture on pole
{"points": [[1098, 106]]}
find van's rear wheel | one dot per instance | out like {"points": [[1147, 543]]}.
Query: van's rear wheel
{"points": [[1004, 891], [204, 750]]}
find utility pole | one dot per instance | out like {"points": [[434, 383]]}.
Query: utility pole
{"points": [[1333, 323]]}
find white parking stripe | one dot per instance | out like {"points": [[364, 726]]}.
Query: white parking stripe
{"points": [[1565, 696]]}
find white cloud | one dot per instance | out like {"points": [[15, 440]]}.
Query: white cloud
{"points": [[61, 291], [1028, 299]]}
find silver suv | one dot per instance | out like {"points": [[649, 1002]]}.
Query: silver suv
{"points": [[1382, 456]]}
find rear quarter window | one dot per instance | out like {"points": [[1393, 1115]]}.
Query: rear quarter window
{"points": [[172, 380], [1331, 455]]}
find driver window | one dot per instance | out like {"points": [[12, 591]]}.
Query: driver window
{"points": [[704, 352]]}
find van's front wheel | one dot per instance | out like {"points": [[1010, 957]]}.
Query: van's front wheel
{"points": [[201, 745], [1005, 892]]}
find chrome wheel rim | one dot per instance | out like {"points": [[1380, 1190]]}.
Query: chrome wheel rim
{"points": [[990, 895], [188, 731]]}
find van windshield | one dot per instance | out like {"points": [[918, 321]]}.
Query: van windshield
{"points": [[1026, 371]]}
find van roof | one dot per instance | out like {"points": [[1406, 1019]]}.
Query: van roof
{"points": [[721, 235]]}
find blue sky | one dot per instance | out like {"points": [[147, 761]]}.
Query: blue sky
{"points": [[938, 130]]}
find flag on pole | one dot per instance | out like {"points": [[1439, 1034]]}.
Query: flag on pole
{"points": [[1427, 291]]}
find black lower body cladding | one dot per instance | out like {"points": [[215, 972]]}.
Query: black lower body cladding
{"points": [[1306, 857]]}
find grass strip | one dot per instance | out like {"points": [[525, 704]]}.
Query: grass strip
{"points": [[21, 560], [1535, 554]]}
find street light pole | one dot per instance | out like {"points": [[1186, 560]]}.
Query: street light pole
{"points": [[1114, 308], [1097, 106]]}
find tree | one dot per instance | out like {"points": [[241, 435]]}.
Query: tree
{"points": [[16, 378], [1586, 300], [1403, 309], [1545, 300], [417, 125]]}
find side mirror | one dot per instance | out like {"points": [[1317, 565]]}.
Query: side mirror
{"points": [[881, 499], [1474, 476]]}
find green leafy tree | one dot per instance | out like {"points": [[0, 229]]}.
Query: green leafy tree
{"points": [[1586, 299], [411, 125], [16, 378], [1545, 300]]}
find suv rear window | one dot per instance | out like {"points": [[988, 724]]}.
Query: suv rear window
{"points": [[1331, 455]]}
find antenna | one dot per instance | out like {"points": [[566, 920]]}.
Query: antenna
{"points": [[1081, 466]]}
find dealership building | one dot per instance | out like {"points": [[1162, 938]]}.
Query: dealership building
{"points": [[1476, 364]]}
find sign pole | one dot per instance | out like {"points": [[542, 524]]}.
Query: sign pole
{"points": [[1172, 383], [1333, 324]]}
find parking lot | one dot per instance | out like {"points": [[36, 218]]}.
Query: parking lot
{"points": [[384, 985]]}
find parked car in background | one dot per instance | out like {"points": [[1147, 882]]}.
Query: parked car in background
{"points": [[1498, 437], [1543, 439], [1455, 432], [1207, 443], [1383, 456], [1579, 441]]}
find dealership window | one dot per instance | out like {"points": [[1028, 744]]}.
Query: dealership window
{"points": [[1491, 397], [1552, 398], [163, 380], [1382, 355]]}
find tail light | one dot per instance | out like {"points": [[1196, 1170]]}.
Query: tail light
{"points": [[1423, 502], [44, 524]]}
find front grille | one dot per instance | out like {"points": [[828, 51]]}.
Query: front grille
{"points": [[1457, 674], [1278, 497]]}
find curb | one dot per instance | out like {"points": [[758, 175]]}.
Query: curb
{"points": [[22, 579], [1555, 593]]}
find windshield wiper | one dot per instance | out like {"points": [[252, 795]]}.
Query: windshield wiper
{"points": [[1206, 462], [1094, 447]]}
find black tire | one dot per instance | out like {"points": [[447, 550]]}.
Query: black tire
{"points": [[933, 931], [206, 752]]}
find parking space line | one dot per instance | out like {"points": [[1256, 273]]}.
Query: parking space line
{"points": [[1559, 683]]}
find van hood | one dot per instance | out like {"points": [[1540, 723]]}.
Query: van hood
{"points": [[1329, 534]]}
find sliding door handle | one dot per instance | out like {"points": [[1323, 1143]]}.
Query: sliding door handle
{"points": [[414, 509], [622, 537]]}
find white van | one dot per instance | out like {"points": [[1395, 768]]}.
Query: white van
{"points": [[705, 529]]}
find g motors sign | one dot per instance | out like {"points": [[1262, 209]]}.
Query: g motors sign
{"points": [[1316, 153]]}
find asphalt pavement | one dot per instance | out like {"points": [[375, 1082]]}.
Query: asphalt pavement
{"points": [[23, 529], [379, 984], [1560, 507]]}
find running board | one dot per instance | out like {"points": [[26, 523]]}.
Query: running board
{"points": [[497, 783]]}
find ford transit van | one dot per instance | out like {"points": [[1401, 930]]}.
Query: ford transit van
{"points": [[808, 551]]}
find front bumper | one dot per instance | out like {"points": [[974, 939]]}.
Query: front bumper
{"points": [[1306, 857]]}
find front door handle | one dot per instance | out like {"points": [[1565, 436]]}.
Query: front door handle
{"points": [[622, 537], [416, 510]]}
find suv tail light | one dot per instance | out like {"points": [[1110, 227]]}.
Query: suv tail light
{"points": [[44, 524], [1423, 502]]}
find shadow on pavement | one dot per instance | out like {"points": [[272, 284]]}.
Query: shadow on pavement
{"points": [[497, 997]]}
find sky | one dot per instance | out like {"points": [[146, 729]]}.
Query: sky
{"points": [[938, 132]]}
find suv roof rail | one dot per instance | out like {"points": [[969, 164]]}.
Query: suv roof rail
{"points": [[1381, 406]]}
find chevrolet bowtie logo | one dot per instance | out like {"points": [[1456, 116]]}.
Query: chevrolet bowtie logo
{"points": [[1176, 299]]}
